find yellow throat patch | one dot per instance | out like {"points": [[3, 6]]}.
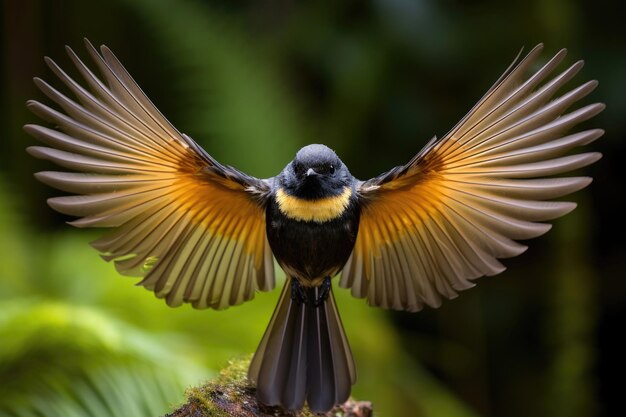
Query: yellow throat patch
{"points": [[320, 210]]}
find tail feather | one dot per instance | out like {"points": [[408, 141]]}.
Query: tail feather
{"points": [[342, 355], [304, 354], [295, 386], [272, 367]]}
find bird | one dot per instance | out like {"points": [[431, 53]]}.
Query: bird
{"points": [[198, 232]]}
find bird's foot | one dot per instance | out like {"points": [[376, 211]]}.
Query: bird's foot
{"points": [[323, 293], [298, 292]]}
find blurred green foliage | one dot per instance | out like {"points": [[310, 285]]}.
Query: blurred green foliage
{"points": [[253, 81]]}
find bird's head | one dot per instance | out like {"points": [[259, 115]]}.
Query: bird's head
{"points": [[316, 172]]}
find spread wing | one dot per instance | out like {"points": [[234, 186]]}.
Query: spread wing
{"points": [[431, 226], [194, 229]]}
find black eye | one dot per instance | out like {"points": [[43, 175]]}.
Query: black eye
{"points": [[325, 169], [299, 169]]}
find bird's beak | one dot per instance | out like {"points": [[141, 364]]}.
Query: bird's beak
{"points": [[310, 172]]}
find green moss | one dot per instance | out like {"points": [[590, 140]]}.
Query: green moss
{"points": [[230, 386], [232, 394]]}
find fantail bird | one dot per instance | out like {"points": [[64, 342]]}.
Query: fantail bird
{"points": [[203, 233]]}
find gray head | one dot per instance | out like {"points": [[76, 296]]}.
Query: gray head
{"points": [[319, 158], [315, 172]]}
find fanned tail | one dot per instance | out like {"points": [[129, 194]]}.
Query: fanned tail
{"points": [[304, 354]]}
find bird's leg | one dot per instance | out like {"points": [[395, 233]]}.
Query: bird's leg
{"points": [[298, 292], [323, 293]]}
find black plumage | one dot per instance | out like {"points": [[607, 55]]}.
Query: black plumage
{"points": [[305, 353]]}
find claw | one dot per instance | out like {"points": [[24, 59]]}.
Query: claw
{"points": [[298, 293], [323, 293]]}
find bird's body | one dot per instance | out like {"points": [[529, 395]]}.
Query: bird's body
{"points": [[312, 221], [313, 216], [309, 250], [206, 234]]}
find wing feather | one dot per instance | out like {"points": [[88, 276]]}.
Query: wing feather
{"points": [[432, 226], [169, 203]]}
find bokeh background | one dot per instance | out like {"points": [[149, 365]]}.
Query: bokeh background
{"points": [[252, 81]]}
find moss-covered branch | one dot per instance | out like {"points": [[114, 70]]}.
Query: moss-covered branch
{"points": [[233, 394]]}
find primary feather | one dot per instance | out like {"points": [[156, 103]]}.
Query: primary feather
{"points": [[428, 228], [168, 201]]}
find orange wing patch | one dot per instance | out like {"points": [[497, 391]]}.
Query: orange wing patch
{"points": [[194, 229]]}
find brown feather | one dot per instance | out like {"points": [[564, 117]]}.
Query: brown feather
{"points": [[170, 204], [445, 218]]}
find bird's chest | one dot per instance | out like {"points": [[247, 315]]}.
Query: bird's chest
{"points": [[311, 250]]}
